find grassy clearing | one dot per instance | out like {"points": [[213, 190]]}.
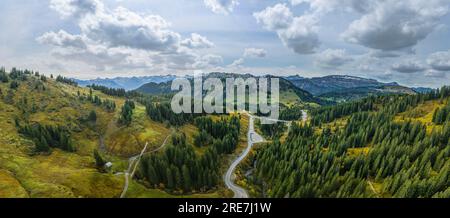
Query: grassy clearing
{"points": [[136, 190], [289, 98], [354, 152], [422, 113], [127, 141], [337, 124], [10, 187]]}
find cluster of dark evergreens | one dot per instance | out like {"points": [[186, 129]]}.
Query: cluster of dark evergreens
{"points": [[224, 133], [20, 75], [330, 113], [271, 130], [3, 75], [99, 161], [46, 137], [115, 91], [179, 168], [291, 113], [109, 91], [126, 115], [65, 80], [109, 105], [442, 114], [402, 158], [16, 74], [162, 112]]}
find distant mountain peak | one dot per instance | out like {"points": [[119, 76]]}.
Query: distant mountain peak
{"points": [[342, 84], [127, 83]]}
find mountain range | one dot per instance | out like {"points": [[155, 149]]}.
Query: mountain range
{"points": [[289, 93], [127, 83], [331, 88]]}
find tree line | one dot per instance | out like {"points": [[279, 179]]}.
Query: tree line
{"points": [[162, 112], [66, 80], [401, 157], [223, 134], [119, 92], [107, 104], [180, 170], [46, 137]]}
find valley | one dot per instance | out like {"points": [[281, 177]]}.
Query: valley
{"points": [[58, 139]]}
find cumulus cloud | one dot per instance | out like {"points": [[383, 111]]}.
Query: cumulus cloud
{"points": [[385, 25], [221, 6], [123, 39], [393, 25], [301, 36], [275, 18], [255, 52], [332, 58], [62, 39], [123, 27], [297, 33], [440, 61], [208, 61], [197, 42], [76, 8], [408, 66]]}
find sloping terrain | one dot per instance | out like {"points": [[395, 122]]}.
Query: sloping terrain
{"points": [[344, 88], [27, 173], [289, 93], [350, 94]]}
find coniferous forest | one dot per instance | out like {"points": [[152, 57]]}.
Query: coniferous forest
{"points": [[180, 169], [226, 100], [381, 146], [372, 155]]}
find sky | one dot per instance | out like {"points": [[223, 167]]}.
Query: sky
{"points": [[405, 41]]}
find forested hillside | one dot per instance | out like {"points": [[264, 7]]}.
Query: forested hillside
{"points": [[180, 169], [392, 146], [53, 133], [57, 137]]}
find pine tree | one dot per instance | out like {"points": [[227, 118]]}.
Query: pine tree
{"points": [[187, 182], [92, 116], [99, 161], [152, 176], [170, 179], [42, 145]]}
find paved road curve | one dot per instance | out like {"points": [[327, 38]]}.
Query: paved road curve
{"points": [[252, 138]]}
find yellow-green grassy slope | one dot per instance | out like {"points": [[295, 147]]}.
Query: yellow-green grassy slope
{"points": [[64, 174]]}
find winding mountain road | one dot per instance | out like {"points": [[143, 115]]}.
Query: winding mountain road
{"points": [[252, 138]]}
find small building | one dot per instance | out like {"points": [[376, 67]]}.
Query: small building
{"points": [[108, 165]]}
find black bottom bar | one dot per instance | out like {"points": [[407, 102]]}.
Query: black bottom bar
{"points": [[223, 207]]}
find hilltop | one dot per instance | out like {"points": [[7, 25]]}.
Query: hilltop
{"points": [[345, 88], [289, 94]]}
